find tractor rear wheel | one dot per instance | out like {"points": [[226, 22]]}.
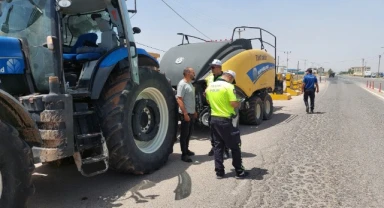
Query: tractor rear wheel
{"points": [[16, 167], [254, 114], [139, 122]]}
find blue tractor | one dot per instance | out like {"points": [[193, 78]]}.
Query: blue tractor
{"points": [[74, 85]]}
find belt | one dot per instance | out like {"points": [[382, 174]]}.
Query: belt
{"points": [[220, 118]]}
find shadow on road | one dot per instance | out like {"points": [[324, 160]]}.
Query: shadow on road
{"points": [[64, 186], [277, 108], [105, 189], [111, 188], [276, 119], [318, 113], [254, 173]]}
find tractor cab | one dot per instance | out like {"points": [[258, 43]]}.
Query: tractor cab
{"points": [[86, 38]]}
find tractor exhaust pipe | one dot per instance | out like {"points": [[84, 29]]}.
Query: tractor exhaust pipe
{"points": [[54, 86]]}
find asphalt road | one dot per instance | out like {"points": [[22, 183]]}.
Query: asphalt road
{"points": [[333, 158]]}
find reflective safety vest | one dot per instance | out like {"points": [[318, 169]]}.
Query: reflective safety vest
{"points": [[219, 95]]}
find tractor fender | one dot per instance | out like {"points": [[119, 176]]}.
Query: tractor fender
{"points": [[13, 113], [108, 62]]}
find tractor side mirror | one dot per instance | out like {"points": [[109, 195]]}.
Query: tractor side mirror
{"points": [[136, 30]]}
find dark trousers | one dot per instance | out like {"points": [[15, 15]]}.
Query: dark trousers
{"points": [[212, 141], [311, 94], [226, 149], [224, 134], [186, 130]]}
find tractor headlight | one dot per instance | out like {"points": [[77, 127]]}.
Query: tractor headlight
{"points": [[64, 3]]}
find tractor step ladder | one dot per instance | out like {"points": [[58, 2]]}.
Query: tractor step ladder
{"points": [[96, 162], [91, 165]]}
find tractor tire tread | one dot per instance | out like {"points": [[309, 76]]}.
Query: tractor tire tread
{"points": [[248, 116], [25, 188], [267, 116], [111, 111]]}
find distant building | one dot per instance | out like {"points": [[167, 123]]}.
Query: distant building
{"points": [[359, 70], [292, 70]]}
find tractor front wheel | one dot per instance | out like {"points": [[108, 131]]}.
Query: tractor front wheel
{"points": [[139, 121], [16, 167]]}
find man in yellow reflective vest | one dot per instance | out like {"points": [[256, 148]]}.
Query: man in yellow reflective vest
{"points": [[216, 67], [221, 96]]}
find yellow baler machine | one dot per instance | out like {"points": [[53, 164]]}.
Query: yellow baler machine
{"points": [[255, 70], [256, 78]]}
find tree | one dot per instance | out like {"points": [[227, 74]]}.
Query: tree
{"points": [[330, 71]]}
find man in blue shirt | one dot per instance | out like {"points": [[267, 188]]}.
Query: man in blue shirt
{"points": [[309, 87]]}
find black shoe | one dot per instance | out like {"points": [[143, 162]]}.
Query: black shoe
{"points": [[186, 158], [211, 153], [307, 109], [242, 175], [311, 111], [190, 153], [220, 175]]}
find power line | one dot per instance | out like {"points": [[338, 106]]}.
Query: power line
{"points": [[199, 14], [150, 47], [185, 20]]}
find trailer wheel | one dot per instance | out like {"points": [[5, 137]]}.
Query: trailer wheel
{"points": [[139, 121], [16, 167], [253, 112], [267, 107]]}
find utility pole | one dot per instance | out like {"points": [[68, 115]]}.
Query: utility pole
{"points": [[239, 31], [298, 65], [362, 69], [287, 52], [305, 64], [378, 68]]}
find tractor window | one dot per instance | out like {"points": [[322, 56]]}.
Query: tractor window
{"points": [[77, 25], [33, 21], [18, 16]]}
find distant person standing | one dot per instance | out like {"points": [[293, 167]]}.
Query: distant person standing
{"points": [[187, 109], [222, 99], [309, 87]]}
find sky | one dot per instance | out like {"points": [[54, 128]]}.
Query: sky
{"points": [[336, 34]]}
